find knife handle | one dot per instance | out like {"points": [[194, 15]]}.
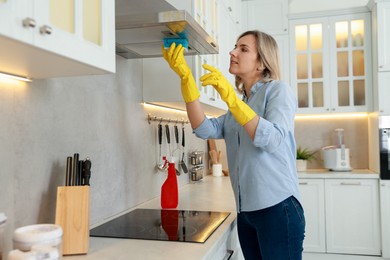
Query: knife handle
{"points": [[167, 133], [68, 176], [159, 134], [87, 171], [75, 169]]}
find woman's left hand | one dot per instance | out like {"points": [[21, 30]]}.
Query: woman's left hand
{"points": [[219, 82]]}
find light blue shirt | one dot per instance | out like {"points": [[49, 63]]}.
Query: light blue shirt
{"points": [[262, 171]]}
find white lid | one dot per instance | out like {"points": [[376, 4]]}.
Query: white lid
{"points": [[37, 233], [3, 218]]}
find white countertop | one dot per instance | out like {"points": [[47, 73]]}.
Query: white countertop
{"points": [[324, 173], [211, 194]]}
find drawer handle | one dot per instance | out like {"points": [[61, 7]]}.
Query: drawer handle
{"points": [[29, 22], [45, 29], [303, 183], [351, 183]]}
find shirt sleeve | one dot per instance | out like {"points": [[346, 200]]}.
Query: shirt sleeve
{"points": [[210, 128], [278, 119]]}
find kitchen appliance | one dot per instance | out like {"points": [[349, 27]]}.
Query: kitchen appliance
{"points": [[384, 147], [161, 224], [336, 157], [141, 27]]}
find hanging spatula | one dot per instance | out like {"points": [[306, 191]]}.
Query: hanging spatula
{"points": [[182, 163]]}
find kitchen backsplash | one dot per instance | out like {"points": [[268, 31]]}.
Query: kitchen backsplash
{"points": [[315, 133], [103, 117]]}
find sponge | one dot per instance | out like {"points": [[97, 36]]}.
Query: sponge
{"points": [[177, 40]]}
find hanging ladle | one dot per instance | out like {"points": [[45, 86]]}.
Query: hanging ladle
{"points": [[162, 164]]}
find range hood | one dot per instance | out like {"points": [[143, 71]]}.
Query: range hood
{"points": [[140, 35]]}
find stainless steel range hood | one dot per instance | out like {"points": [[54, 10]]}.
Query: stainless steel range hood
{"points": [[141, 35]]}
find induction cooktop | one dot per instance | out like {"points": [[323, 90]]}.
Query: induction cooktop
{"points": [[161, 224]]}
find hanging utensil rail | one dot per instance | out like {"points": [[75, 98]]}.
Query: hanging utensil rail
{"points": [[168, 120]]}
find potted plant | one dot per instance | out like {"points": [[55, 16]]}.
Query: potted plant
{"points": [[303, 156]]}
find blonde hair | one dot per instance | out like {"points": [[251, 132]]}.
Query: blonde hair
{"points": [[267, 54]]}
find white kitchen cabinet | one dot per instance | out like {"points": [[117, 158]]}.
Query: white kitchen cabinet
{"points": [[352, 216], [385, 217], [383, 93], [381, 34], [313, 202], [283, 42], [163, 88], [42, 39], [269, 16], [331, 63], [227, 247], [381, 54]]}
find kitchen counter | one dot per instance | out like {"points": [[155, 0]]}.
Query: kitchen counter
{"points": [[324, 173], [211, 194]]}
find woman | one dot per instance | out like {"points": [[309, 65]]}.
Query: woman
{"points": [[259, 136]]}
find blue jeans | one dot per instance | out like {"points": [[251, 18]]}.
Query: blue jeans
{"points": [[274, 233]]}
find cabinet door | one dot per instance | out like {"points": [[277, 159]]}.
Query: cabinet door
{"points": [[352, 216], [350, 49], [284, 57], [269, 16], [310, 64], [331, 63], [15, 12], [385, 217], [313, 200], [384, 92], [79, 30], [383, 34]]}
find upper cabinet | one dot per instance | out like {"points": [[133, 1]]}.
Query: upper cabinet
{"points": [[161, 85], [331, 63], [381, 55], [269, 16], [53, 38], [381, 33]]}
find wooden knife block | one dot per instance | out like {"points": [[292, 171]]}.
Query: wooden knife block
{"points": [[72, 214]]}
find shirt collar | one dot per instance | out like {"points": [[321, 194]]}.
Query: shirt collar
{"points": [[253, 90]]}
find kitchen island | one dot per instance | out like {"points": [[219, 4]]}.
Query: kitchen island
{"points": [[211, 194]]}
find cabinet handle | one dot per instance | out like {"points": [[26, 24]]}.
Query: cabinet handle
{"points": [[29, 22], [381, 66], [229, 254], [45, 29], [303, 183], [351, 183]]}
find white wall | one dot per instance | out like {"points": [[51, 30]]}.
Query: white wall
{"points": [[302, 6]]}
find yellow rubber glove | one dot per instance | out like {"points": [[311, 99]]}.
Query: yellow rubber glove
{"points": [[239, 109], [175, 58]]}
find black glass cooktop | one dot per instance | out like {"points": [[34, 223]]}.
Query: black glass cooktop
{"points": [[160, 224]]}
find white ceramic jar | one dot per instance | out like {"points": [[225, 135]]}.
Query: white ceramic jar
{"points": [[41, 239]]}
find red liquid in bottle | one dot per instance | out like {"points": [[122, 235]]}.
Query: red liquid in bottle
{"points": [[169, 191]]}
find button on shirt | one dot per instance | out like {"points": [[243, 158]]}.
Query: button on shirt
{"points": [[262, 171]]}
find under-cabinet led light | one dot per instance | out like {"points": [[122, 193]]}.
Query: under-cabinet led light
{"points": [[15, 77], [332, 116], [163, 107]]}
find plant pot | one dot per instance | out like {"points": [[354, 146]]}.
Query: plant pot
{"points": [[301, 165]]}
